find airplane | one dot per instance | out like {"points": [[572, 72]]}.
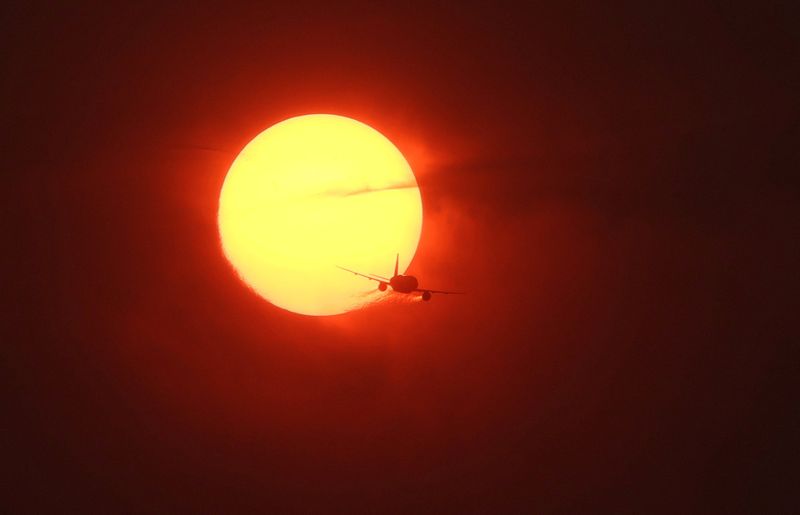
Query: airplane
{"points": [[400, 283]]}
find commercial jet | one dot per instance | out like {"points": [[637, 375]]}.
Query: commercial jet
{"points": [[401, 283]]}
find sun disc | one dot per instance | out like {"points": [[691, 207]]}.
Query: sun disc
{"points": [[308, 194]]}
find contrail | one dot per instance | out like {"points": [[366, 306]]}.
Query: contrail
{"points": [[340, 192]]}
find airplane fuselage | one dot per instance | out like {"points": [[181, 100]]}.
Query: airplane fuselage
{"points": [[399, 282], [404, 283]]}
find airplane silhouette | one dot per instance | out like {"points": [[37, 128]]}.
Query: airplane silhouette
{"points": [[400, 283]]}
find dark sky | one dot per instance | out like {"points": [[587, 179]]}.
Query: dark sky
{"points": [[616, 186]]}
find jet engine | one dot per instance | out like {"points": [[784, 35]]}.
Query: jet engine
{"points": [[382, 286], [426, 295]]}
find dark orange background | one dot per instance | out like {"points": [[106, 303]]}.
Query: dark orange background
{"points": [[616, 187]]}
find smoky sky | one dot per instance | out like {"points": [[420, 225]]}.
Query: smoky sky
{"points": [[614, 186]]}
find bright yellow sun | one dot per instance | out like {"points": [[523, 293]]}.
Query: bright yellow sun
{"points": [[308, 194]]}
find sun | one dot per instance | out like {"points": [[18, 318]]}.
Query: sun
{"points": [[308, 194]]}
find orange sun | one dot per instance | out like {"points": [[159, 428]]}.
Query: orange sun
{"points": [[308, 194]]}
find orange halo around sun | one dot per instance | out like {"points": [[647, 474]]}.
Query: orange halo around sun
{"points": [[308, 194]]}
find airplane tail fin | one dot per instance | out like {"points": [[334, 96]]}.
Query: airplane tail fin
{"points": [[396, 264]]}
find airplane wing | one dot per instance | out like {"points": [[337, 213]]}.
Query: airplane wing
{"points": [[368, 276], [423, 290]]}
